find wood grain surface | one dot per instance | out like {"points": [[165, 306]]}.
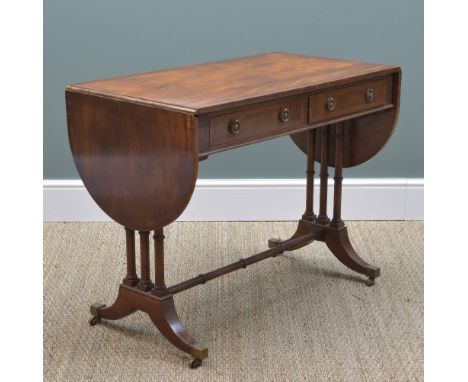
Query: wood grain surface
{"points": [[136, 142], [364, 134], [257, 122], [139, 163], [350, 99], [217, 85]]}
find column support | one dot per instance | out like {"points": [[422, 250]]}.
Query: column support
{"points": [[131, 278], [309, 212], [145, 282], [338, 178], [323, 217], [159, 283]]}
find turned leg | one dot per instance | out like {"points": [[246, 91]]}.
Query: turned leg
{"points": [[159, 283], [336, 237], [145, 283], [131, 279], [323, 217], [163, 314], [309, 214], [120, 308], [155, 300], [309, 211], [338, 178]]}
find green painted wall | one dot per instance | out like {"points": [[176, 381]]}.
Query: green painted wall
{"points": [[86, 40]]}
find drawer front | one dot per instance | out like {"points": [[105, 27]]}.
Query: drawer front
{"points": [[358, 98], [257, 122]]}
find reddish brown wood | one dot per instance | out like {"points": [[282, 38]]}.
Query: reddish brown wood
{"points": [[337, 240], [139, 163], [364, 134], [224, 84], [257, 122], [350, 99], [223, 87], [295, 242], [322, 218], [203, 136], [145, 283], [309, 212], [159, 283], [161, 311], [338, 178], [131, 278], [137, 141]]}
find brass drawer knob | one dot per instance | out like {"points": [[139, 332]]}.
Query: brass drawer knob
{"points": [[285, 114], [331, 103], [369, 95], [234, 126]]}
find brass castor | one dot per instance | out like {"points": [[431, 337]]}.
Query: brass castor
{"points": [[370, 281], [195, 363], [94, 320], [273, 242], [94, 308]]}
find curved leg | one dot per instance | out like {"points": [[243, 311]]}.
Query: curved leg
{"points": [[338, 242], [336, 234], [119, 309], [158, 303], [303, 228], [162, 312], [164, 316], [309, 214]]}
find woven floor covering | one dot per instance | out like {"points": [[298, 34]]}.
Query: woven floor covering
{"points": [[301, 316]]}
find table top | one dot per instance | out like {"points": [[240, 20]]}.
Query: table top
{"points": [[219, 85]]}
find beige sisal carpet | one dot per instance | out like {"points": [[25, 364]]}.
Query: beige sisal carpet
{"points": [[298, 317]]}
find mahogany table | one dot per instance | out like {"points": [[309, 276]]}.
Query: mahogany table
{"points": [[137, 140]]}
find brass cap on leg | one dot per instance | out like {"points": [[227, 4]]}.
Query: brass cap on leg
{"points": [[273, 242], [199, 351], [94, 308]]}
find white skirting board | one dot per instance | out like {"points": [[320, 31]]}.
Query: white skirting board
{"points": [[257, 200]]}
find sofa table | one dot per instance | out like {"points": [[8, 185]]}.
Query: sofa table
{"points": [[137, 140]]}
